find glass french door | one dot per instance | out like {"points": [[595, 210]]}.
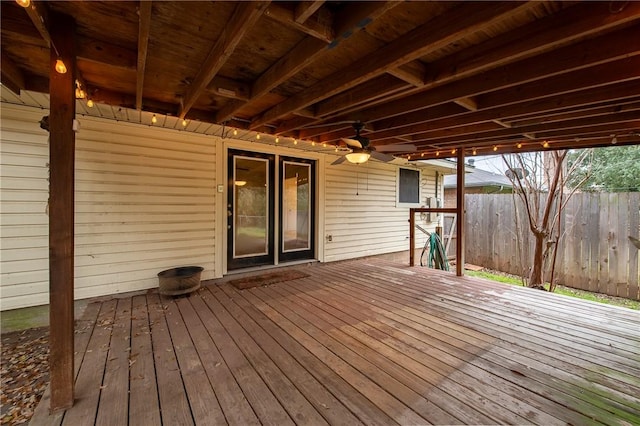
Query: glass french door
{"points": [[297, 209], [250, 210], [252, 237]]}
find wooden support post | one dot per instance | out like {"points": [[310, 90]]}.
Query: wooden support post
{"points": [[61, 211], [460, 214], [412, 236]]}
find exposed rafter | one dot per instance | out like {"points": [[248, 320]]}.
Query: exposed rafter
{"points": [[143, 42], [244, 17], [305, 9]]}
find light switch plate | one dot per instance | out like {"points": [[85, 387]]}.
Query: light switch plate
{"points": [[220, 188]]}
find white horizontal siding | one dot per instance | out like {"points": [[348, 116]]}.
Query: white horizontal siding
{"points": [[145, 202], [361, 213]]}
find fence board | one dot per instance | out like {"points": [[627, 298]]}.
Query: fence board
{"points": [[594, 254]]}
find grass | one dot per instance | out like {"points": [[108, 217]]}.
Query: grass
{"points": [[580, 294]]}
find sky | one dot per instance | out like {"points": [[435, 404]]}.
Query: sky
{"points": [[490, 163]]}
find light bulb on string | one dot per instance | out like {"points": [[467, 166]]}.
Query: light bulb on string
{"points": [[60, 67], [295, 141], [545, 144], [519, 145], [89, 103], [235, 132], [474, 151], [437, 153], [313, 143], [277, 139], [495, 148], [154, 119], [184, 123], [258, 136], [453, 151], [24, 3]]}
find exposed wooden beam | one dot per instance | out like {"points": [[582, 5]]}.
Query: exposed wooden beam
{"points": [[454, 24], [305, 53], [412, 72], [305, 9], [12, 76], [569, 25], [469, 103], [39, 15], [584, 55], [301, 56], [556, 35], [229, 88], [106, 53], [244, 18], [61, 213], [144, 27], [479, 132], [316, 29]]}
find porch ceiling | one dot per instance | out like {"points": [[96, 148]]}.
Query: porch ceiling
{"points": [[358, 342], [440, 75]]}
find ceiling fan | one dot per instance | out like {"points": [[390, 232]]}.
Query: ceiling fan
{"points": [[361, 150]]}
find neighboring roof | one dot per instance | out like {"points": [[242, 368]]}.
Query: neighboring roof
{"points": [[478, 178]]}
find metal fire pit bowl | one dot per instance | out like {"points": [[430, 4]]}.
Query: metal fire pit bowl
{"points": [[182, 280]]}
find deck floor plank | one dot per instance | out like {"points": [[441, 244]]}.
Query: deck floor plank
{"points": [[89, 381], [202, 398], [422, 355], [357, 403], [262, 400], [174, 405], [234, 404], [358, 342], [387, 391], [113, 407], [144, 408], [290, 397], [326, 404]]}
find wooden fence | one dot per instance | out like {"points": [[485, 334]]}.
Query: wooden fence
{"points": [[594, 254]]}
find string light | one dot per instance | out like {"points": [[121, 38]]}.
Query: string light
{"points": [[408, 156], [474, 152], [295, 141], [437, 153], [422, 154], [154, 119], [495, 148], [258, 136], [89, 103], [313, 143], [277, 139], [324, 144], [24, 3], [545, 144], [235, 132], [519, 145], [184, 123], [453, 151], [61, 68], [336, 148]]}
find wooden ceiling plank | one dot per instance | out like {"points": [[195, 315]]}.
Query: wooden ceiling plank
{"points": [[412, 73], [307, 52], [244, 18], [144, 28], [569, 25], [106, 53], [454, 24], [39, 15], [301, 56], [320, 30], [526, 107], [608, 48], [12, 76], [229, 88], [526, 47], [305, 9], [483, 132]]}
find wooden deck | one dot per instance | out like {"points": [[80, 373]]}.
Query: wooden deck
{"points": [[358, 342]]}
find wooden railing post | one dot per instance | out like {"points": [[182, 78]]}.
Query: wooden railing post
{"points": [[412, 236]]}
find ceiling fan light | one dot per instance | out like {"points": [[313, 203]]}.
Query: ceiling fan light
{"points": [[358, 157]]}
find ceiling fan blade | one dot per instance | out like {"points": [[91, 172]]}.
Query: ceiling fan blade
{"points": [[382, 157], [340, 160], [402, 147], [352, 142]]}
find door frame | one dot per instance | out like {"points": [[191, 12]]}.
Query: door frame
{"points": [[258, 260], [223, 146]]}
